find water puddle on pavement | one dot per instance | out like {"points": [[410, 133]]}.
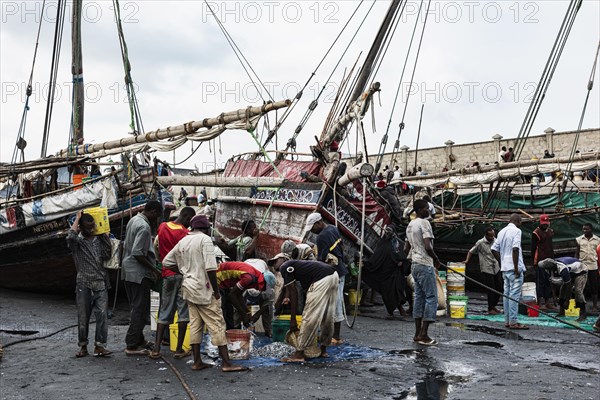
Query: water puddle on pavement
{"points": [[567, 366], [18, 332], [434, 387], [495, 345]]}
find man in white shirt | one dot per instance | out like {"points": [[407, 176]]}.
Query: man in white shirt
{"points": [[586, 252], [194, 257], [419, 247], [507, 251]]}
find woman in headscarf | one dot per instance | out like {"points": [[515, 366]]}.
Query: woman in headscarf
{"points": [[383, 272]]}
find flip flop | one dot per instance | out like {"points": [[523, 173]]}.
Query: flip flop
{"points": [[292, 360], [81, 353], [431, 342], [155, 356], [234, 368], [336, 342], [185, 354], [137, 352], [518, 327]]}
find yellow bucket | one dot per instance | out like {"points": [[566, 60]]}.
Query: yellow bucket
{"points": [[100, 215], [458, 306], [572, 311], [174, 334], [353, 298]]}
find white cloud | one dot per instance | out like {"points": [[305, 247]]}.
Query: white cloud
{"points": [[186, 71]]}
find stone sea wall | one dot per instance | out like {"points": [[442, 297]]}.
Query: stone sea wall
{"points": [[433, 160]]}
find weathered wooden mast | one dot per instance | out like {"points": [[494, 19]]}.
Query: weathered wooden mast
{"points": [[365, 73], [77, 71]]}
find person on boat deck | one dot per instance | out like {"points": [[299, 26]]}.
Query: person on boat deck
{"points": [[383, 271], [234, 278], [171, 300], [139, 273], [502, 153], [320, 282], [507, 251], [329, 250], [243, 245], [587, 244], [92, 284], [419, 246], [547, 154], [571, 274], [489, 268], [194, 257], [542, 248]]}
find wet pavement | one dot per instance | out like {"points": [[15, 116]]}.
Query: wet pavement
{"points": [[476, 359]]}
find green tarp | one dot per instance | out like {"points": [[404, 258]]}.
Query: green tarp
{"points": [[570, 200]]}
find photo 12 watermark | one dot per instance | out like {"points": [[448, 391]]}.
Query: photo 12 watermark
{"points": [[91, 11], [254, 12]]}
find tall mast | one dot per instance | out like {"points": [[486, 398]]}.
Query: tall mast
{"points": [[77, 71], [367, 68]]}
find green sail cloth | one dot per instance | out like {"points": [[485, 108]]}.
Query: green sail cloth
{"points": [[570, 200]]}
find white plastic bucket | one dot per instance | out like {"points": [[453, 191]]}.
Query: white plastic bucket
{"points": [[528, 291], [455, 281]]}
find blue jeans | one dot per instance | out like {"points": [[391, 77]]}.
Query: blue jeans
{"points": [[512, 288], [426, 301]]}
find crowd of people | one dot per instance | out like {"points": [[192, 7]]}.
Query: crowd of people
{"points": [[210, 282]]}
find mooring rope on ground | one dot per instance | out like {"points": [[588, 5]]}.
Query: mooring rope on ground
{"points": [[178, 374], [519, 302]]}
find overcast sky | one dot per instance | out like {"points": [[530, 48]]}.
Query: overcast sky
{"points": [[478, 68]]}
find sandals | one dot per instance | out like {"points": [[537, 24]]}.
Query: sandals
{"points": [[82, 353], [336, 342], [518, 326], [430, 342], [101, 352], [179, 356], [137, 352], [155, 356]]}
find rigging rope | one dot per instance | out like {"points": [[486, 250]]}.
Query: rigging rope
{"points": [[313, 105], [384, 141], [590, 85], [238, 53], [20, 142], [546, 78], [135, 123], [401, 126], [58, 31], [288, 111]]}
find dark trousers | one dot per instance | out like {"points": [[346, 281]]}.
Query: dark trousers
{"points": [[89, 301], [592, 282], [495, 282], [138, 295], [228, 310], [542, 284]]}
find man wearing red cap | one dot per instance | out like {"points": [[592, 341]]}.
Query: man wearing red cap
{"points": [[542, 248]]}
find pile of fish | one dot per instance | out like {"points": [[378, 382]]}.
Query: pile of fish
{"points": [[273, 350]]}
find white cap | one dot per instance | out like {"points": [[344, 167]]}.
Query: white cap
{"points": [[311, 220]]}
